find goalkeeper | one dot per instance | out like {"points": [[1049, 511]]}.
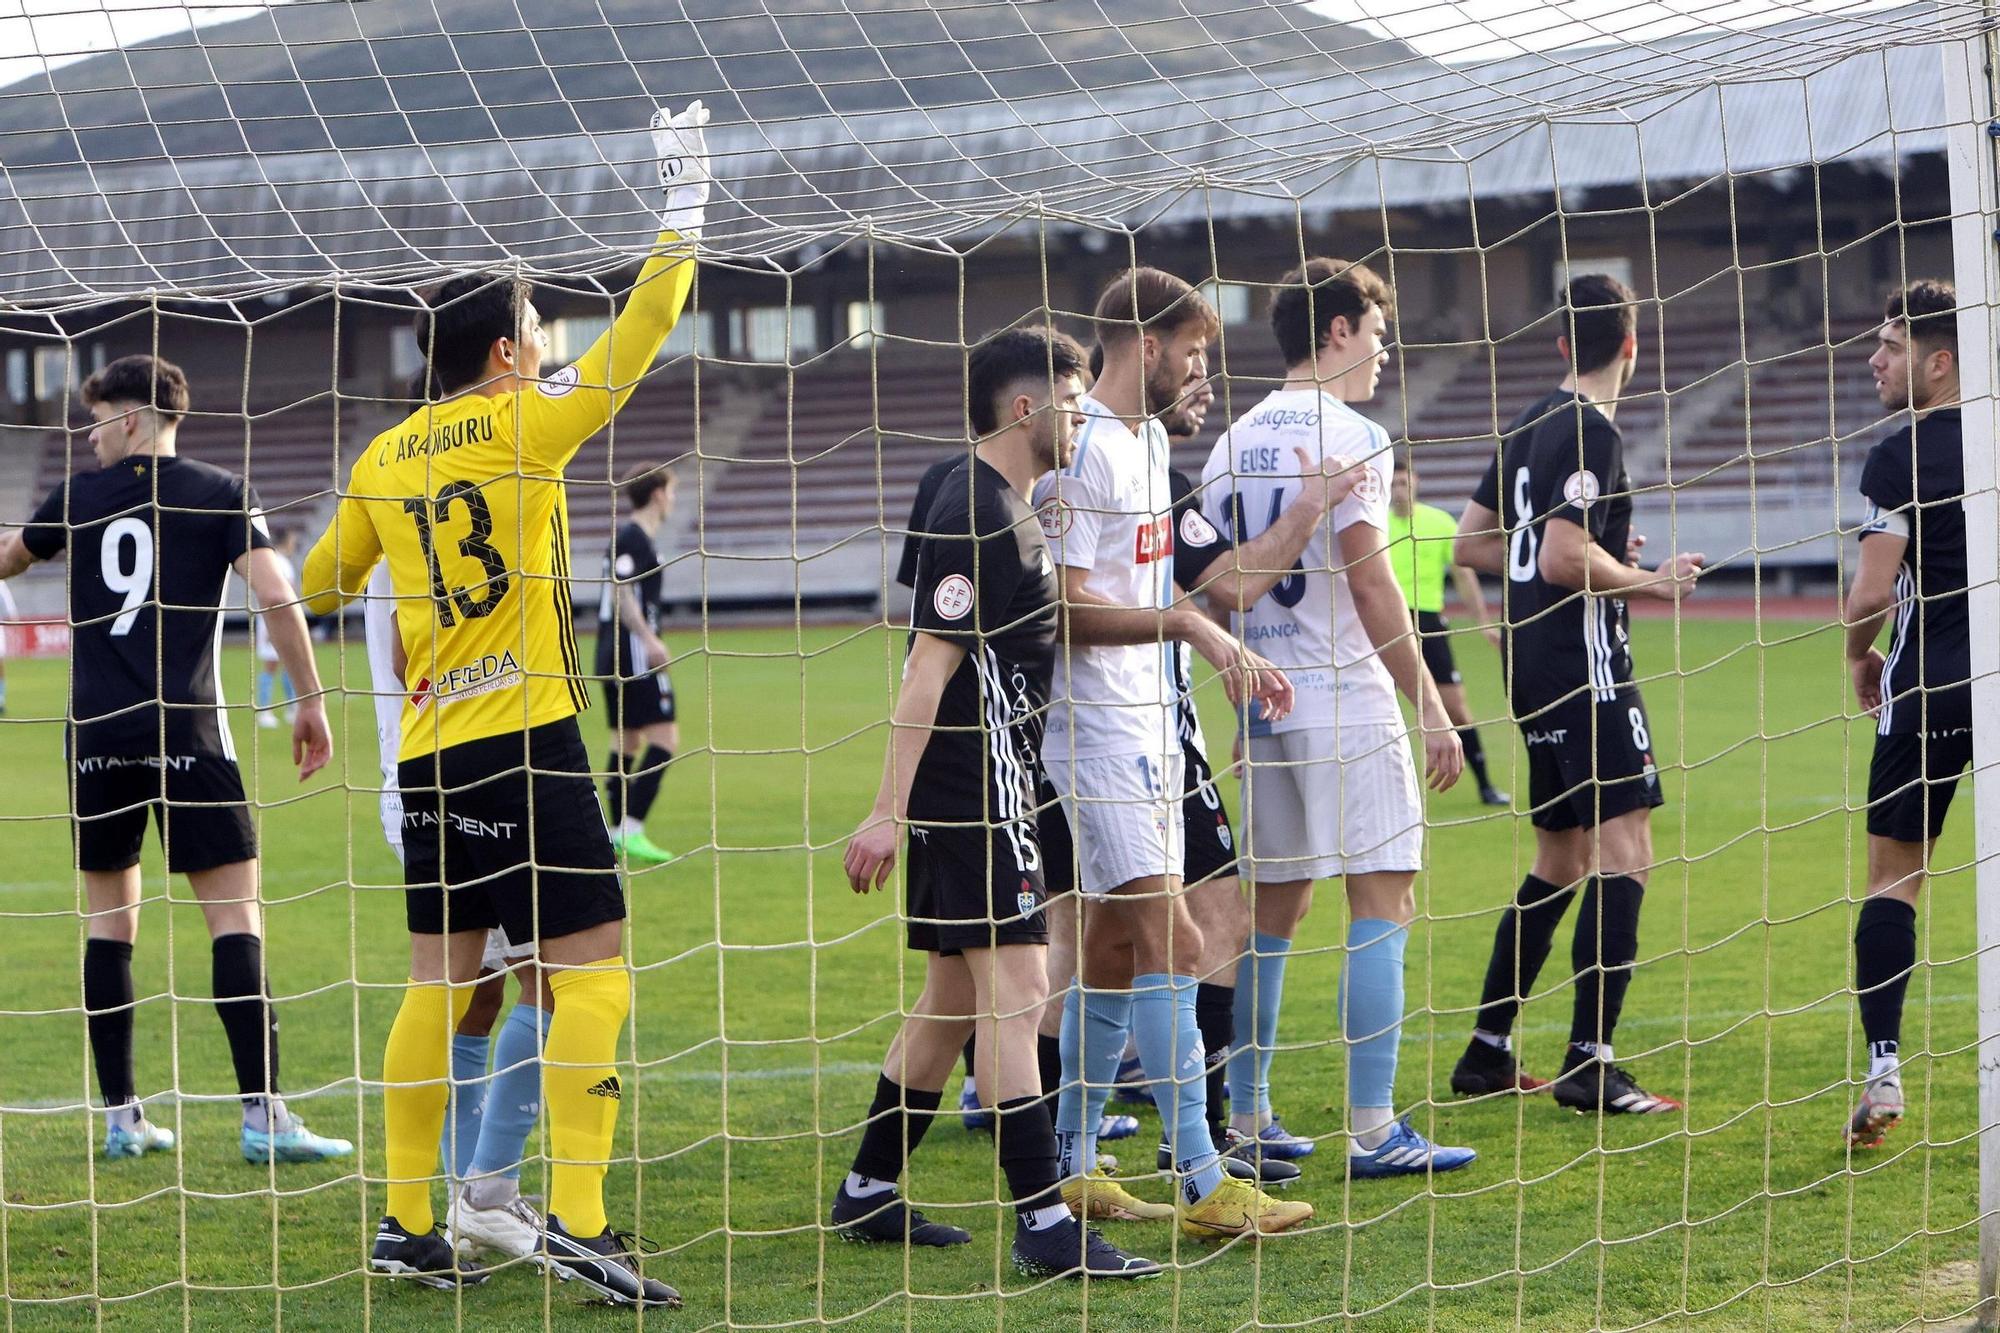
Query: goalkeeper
{"points": [[501, 826]]}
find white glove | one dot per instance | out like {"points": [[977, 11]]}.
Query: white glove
{"points": [[682, 150]]}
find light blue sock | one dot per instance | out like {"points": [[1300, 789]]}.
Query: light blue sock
{"points": [[264, 679], [1260, 985], [285, 682], [1093, 1040], [516, 1096], [1371, 1010], [462, 1106], [1170, 1048]]}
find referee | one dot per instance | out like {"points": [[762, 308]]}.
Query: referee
{"points": [[1419, 541]]}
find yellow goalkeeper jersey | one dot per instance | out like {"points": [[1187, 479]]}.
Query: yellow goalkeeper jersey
{"points": [[465, 500]]}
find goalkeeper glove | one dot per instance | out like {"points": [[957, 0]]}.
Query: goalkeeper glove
{"points": [[682, 150]]}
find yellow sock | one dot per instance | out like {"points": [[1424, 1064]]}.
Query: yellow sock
{"points": [[580, 1089], [419, 1059]]}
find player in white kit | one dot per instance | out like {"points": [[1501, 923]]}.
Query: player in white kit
{"points": [[488, 1119], [1113, 754], [1329, 790]]}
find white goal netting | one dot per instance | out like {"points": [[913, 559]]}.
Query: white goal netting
{"points": [[260, 193]]}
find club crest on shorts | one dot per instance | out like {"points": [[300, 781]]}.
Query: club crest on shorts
{"points": [[953, 597], [1223, 836], [1025, 899], [1580, 489]]}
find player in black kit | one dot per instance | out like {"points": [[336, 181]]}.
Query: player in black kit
{"points": [[961, 771], [632, 664], [1913, 562], [151, 538], [1553, 516]]}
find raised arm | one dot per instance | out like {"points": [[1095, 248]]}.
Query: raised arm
{"points": [[573, 405]]}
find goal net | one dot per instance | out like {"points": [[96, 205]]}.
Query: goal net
{"points": [[262, 194]]}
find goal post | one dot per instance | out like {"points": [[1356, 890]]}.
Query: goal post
{"points": [[1973, 142]]}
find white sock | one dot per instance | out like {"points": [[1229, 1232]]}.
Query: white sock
{"points": [[1495, 1039], [1884, 1067], [1372, 1125], [971, 1087], [1041, 1219], [1601, 1050], [864, 1187], [629, 827], [126, 1115], [265, 1114]]}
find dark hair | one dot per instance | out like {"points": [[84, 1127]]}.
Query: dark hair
{"points": [[1037, 353], [1149, 300], [1599, 314], [643, 482], [459, 324], [1930, 307], [143, 381], [1096, 363], [1312, 296]]}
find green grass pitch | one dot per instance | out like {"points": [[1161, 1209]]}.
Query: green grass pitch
{"points": [[768, 992]]}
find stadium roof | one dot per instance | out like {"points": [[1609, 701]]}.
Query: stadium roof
{"points": [[385, 142]]}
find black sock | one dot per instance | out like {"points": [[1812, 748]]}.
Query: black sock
{"points": [[1885, 951], [246, 1013], [647, 770], [614, 789], [1215, 1016], [1048, 1054], [898, 1119], [1024, 1136], [1475, 754], [107, 999], [1521, 944], [1607, 942], [971, 1070]]}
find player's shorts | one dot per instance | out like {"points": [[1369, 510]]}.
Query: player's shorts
{"points": [[975, 887], [1325, 801], [1434, 639], [1590, 761], [632, 703], [1911, 779], [1058, 848], [466, 810], [196, 799], [1124, 812], [1210, 842], [502, 953]]}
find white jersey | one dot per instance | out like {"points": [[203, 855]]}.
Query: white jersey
{"points": [[378, 618], [1111, 512], [1307, 624]]}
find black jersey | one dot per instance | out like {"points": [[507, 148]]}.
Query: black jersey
{"points": [[920, 512], [1198, 544], [1561, 460], [630, 561], [1915, 479], [150, 542], [985, 581]]}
